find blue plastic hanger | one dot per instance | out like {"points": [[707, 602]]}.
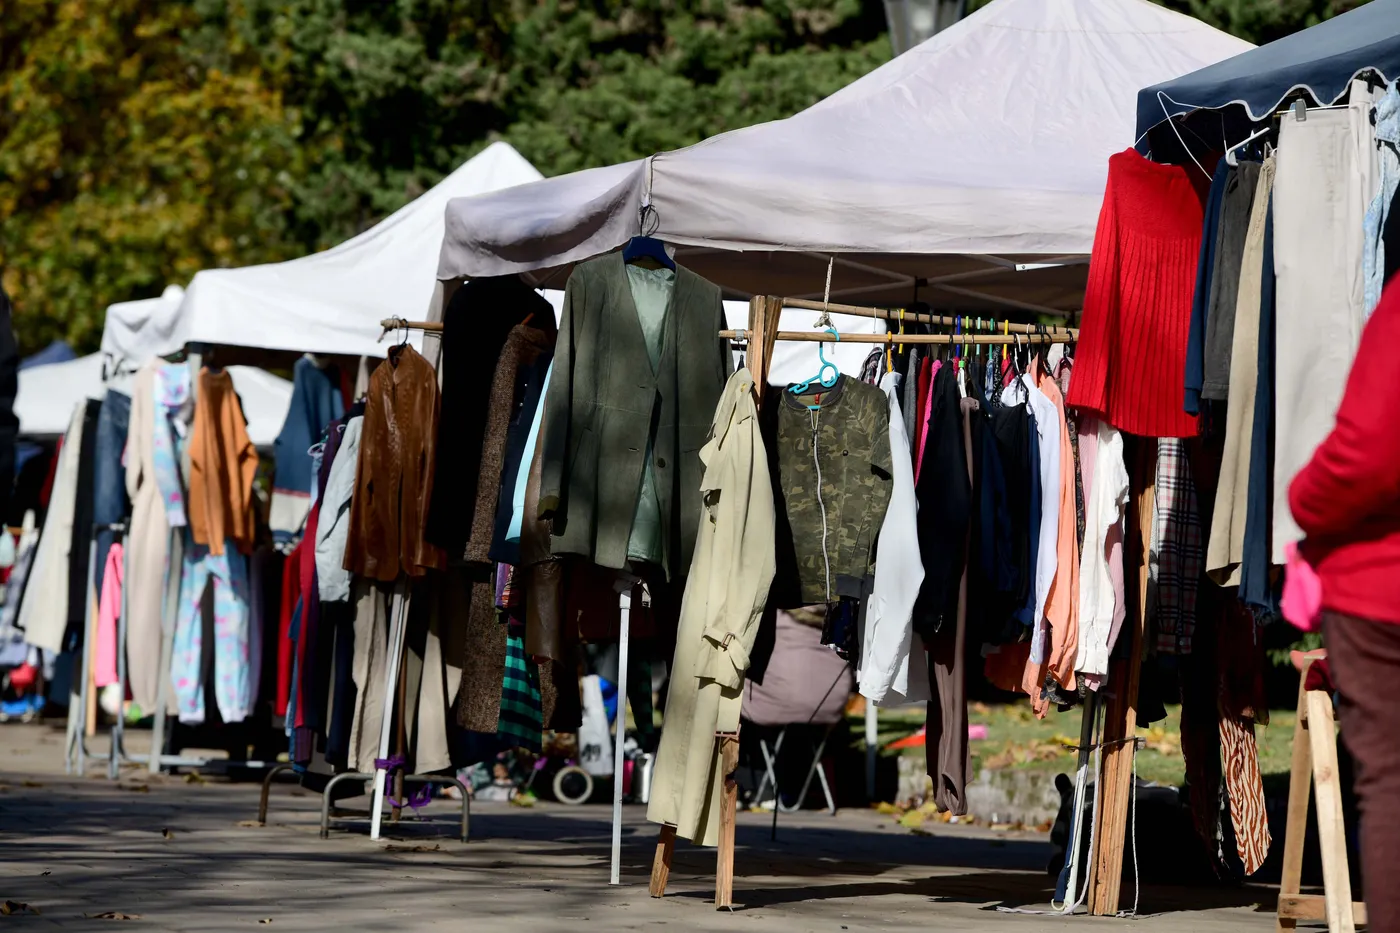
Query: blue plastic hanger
{"points": [[646, 247], [827, 375]]}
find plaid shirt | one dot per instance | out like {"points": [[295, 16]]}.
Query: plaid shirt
{"points": [[1179, 549]]}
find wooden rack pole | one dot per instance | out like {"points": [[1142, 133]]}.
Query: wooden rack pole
{"points": [[1120, 724], [821, 336], [910, 317], [398, 323]]}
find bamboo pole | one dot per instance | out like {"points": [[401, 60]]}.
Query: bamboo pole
{"points": [[821, 336], [911, 317]]}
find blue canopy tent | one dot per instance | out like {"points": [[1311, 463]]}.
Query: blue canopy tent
{"points": [[1319, 61]]}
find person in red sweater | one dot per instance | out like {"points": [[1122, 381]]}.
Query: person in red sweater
{"points": [[1347, 501]]}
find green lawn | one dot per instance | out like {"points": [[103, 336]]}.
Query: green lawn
{"points": [[1016, 739]]}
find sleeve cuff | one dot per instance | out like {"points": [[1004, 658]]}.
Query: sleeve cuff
{"points": [[725, 658]]}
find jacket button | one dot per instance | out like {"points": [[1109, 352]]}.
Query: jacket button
{"points": [[845, 453], [661, 462]]}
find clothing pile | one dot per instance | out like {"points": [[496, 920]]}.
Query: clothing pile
{"points": [[1219, 325]]}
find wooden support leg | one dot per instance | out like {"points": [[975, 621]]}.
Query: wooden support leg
{"points": [[661, 863], [724, 873], [1299, 791], [1114, 792], [1336, 879]]}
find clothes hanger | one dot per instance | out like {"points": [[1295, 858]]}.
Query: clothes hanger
{"points": [[828, 373], [644, 247], [398, 348], [1232, 154]]}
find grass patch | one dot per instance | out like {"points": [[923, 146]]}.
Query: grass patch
{"points": [[1016, 739]]}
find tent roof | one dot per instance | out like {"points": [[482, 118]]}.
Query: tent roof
{"points": [[333, 301], [136, 332], [48, 394], [1320, 60], [984, 147]]}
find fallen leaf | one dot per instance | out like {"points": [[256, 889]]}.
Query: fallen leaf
{"points": [[268, 920], [9, 908], [249, 824], [194, 777], [45, 874], [113, 915], [422, 848], [167, 834], [135, 788], [32, 784]]}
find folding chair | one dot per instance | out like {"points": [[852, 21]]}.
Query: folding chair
{"points": [[805, 684], [770, 776]]}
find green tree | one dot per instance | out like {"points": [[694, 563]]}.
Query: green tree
{"points": [[1262, 21], [394, 95], [126, 162]]}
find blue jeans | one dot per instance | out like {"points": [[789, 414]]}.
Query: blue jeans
{"points": [[109, 501]]}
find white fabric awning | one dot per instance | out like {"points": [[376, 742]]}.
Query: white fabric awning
{"points": [[48, 394], [136, 332], [976, 161], [332, 302]]}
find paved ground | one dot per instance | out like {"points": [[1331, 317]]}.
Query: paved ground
{"points": [[187, 856]]}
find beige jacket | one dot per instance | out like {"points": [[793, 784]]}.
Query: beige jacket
{"points": [[730, 572], [147, 545]]}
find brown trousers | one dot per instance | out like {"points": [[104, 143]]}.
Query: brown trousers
{"points": [[1365, 660]]}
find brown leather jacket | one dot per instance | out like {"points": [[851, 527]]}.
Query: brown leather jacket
{"points": [[394, 475]]}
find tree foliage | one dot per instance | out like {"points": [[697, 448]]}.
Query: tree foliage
{"points": [[140, 142], [126, 161]]}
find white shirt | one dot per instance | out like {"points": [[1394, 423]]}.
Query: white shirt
{"points": [[332, 579], [886, 676], [1107, 500], [1047, 557]]}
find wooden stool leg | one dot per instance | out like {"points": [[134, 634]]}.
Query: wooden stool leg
{"points": [[1299, 792], [1336, 878], [724, 873], [661, 862]]}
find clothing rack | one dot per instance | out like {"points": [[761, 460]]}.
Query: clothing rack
{"points": [[764, 314], [765, 311]]}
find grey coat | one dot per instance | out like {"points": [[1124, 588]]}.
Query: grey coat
{"points": [[603, 401]]}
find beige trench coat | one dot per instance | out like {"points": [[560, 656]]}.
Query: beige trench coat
{"points": [[147, 546], [730, 572], [44, 612]]}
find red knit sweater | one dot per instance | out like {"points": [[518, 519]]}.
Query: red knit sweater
{"points": [[1137, 306], [1347, 499]]}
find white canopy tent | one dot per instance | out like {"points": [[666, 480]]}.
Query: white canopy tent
{"points": [[48, 394], [138, 331], [972, 166], [332, 302]]}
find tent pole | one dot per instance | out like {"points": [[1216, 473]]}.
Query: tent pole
{"points": [[398, 614], [624, 609]]}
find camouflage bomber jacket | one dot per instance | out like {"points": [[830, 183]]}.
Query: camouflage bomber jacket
{"points": [[851, 436]]}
